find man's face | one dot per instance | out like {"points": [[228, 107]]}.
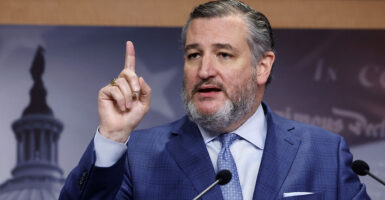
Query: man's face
{"points": [[218, 66]]}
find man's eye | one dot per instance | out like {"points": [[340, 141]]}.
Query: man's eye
{"points": [[225, 55], [193, 56]]}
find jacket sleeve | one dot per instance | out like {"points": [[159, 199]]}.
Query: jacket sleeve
{"points": [[86, 181], [349, 185]]}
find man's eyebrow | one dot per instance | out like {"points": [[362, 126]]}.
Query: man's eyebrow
{"points": [[191, 46], [225, 46], [216, 45]]}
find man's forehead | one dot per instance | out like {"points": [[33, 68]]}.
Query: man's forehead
{"points": [[219, 32], [235, 21]]}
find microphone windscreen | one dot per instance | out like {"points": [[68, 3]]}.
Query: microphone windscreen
{"points": [[360, 167], [224, 176]]}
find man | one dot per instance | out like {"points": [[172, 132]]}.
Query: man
{"points": [[229, 54]]}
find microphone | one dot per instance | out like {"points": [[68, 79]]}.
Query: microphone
{"points": [[361, 168], [222, 178]]}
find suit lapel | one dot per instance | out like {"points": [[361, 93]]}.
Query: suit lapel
{"points": [[190, 153], [280, 150]]}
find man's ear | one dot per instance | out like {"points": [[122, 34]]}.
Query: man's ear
{"points": [[264, 67]]}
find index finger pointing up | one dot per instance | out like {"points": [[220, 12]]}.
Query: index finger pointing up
{"points": [[130, 56]]}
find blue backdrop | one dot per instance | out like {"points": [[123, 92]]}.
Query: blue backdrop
{"points": [[331, 78]]}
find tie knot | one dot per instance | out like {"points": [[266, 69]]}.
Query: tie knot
{"points": [[227, 139]]}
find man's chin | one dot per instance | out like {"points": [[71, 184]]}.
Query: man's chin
{"points": [[207, 112]]}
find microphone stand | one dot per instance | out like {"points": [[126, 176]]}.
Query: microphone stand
{"points": [[206, 190], [375, 177]]}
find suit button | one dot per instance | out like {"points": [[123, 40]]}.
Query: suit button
{"points": [[83, 178], [84, 173]]}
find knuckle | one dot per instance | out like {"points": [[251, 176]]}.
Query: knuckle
{"points": [[103, 90], [124, 73], [116, 93], [124, 88], [121, 83], [115, 89], [131, 74]]}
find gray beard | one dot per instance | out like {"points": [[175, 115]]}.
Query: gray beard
{"points": [[233, 111]]}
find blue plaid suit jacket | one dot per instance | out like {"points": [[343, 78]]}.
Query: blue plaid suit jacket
{"points": [[172, 162]]}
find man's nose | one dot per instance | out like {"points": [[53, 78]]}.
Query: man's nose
{"points": [[207, 69]]}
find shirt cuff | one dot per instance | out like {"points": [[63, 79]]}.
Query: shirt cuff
{"points": [[107, 151]]}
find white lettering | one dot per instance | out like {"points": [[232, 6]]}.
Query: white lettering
{"points": [[372, 75], [355, 122]]}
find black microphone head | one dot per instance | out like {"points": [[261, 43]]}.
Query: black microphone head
{"points": [[224, 176], [360, 167]]}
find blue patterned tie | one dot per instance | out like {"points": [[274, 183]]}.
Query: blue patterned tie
{"points": [[232, 190]]}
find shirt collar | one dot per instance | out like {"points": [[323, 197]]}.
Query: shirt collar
{"points": [[254, 130]]}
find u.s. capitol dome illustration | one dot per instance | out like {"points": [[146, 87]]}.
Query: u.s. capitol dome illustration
{"points": [[37, 175]]}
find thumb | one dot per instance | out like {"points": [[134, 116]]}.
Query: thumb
{"points": [[145, 92]]}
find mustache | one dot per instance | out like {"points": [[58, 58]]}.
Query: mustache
{"points": [[209, 82]]}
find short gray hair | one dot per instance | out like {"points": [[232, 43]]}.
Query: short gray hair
{"points": [[260, 37]]}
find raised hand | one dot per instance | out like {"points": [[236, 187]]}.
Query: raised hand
{"points": [[123, 104]]}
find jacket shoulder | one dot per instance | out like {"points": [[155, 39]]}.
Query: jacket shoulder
{"points": [[307, 132]]}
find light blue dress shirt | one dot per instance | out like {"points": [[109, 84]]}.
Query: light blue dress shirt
{"points": [[247, 151]]}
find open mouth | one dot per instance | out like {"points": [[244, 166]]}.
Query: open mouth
{"points": [[209, 89]]}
